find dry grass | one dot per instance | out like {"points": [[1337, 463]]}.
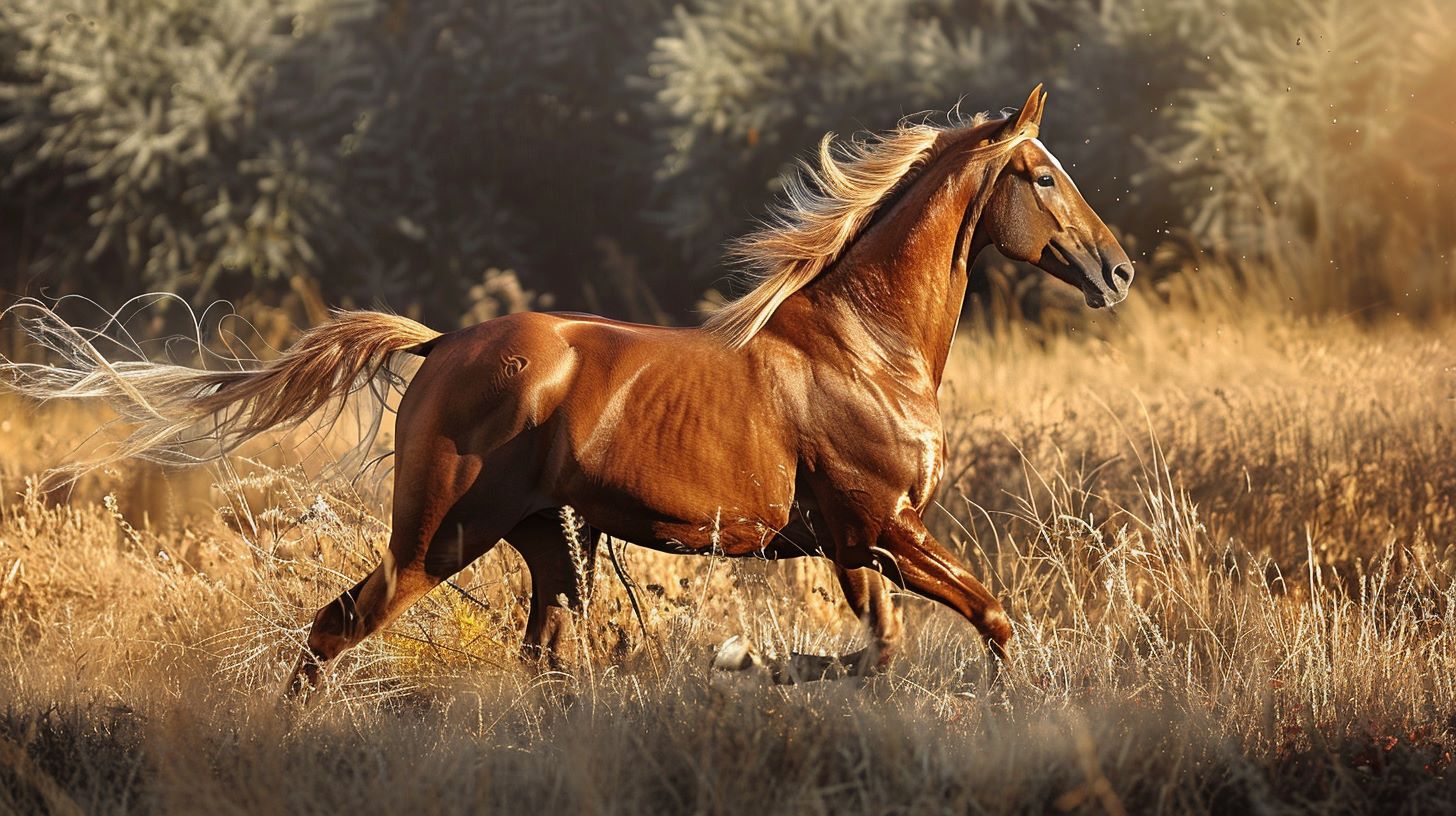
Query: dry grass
{"points": [[1226, 547]]}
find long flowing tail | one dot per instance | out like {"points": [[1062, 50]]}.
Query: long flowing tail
{"points": [[185, 415]]}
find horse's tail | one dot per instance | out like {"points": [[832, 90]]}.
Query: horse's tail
{"points": [[185, 415]]}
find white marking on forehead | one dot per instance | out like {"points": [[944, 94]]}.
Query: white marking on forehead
{"points": [[1056, 163]]}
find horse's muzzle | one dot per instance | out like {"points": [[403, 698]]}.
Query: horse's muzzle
{"points": [[1110, 286]]}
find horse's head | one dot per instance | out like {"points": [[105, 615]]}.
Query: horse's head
{"points": [[1036, 214]]}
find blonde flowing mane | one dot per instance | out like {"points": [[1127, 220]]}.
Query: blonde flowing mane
{"points": [[831, 198]]}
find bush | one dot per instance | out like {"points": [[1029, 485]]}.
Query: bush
{"points": [[135, 149], [396, 150], [1306, 135], [367, 145]]}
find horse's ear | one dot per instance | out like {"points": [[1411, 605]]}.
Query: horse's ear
{"points": [[1030, 114]]}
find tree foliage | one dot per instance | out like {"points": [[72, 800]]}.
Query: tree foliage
{"points": [[397, 150], [1314, 139]]}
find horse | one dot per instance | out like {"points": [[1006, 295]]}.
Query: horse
{"points": [[800, 420]]}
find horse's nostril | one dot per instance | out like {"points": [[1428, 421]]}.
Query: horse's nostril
{"points": [[1121, 276]]}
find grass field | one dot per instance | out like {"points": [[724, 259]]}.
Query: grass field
{"points": [[1226, 544]]}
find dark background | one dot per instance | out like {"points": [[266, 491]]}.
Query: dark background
{"points": [[286, 154]]}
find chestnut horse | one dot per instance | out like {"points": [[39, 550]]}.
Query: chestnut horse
{"points": [[802, 419]]}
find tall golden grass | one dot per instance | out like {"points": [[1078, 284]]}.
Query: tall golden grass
{"points": [[1225, 541]]}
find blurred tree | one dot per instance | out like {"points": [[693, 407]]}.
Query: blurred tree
{"points": [[1306, 133], [604, 150], [394, 149], [126, 126], [474, 135]]}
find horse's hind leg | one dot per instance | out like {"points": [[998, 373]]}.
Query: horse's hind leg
{"points": [[369, 606], [560, 585], [442, 520], [394, 585]]}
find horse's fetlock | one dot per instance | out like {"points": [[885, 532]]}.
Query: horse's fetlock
{"points": [[995, 625]]}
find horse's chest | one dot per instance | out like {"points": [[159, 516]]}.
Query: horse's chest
{"points": [[901, 458], [926, 448], [890, 449]]}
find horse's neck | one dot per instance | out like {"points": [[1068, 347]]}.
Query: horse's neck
{"points": [[897, 294]]}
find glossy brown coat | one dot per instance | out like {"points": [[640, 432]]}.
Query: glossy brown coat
{"points": [[803, 421], [826, 419]]}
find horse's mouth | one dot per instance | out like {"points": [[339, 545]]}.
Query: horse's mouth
{"points": [[1103, 283], [1108, 285], [1102, 297]]}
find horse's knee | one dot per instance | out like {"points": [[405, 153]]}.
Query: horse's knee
{"points": [[884, 652]]}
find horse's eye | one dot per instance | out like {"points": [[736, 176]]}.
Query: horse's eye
{"points": [[1045, 181]]}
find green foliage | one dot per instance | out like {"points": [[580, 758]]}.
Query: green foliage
{"points": [[368, 145], [396, 150]]}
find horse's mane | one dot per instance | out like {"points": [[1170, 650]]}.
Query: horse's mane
{"points": [[832, 197]]}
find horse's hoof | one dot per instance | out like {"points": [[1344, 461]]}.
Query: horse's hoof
{"points": [[735, 654], [303, 683]]}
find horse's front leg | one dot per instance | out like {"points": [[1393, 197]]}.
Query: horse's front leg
{"points": [[923, 566], [868, 594], [911, 557]]}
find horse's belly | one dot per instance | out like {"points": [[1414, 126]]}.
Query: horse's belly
{"points": [[724, 493], [674, 445], [687, 509]]}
